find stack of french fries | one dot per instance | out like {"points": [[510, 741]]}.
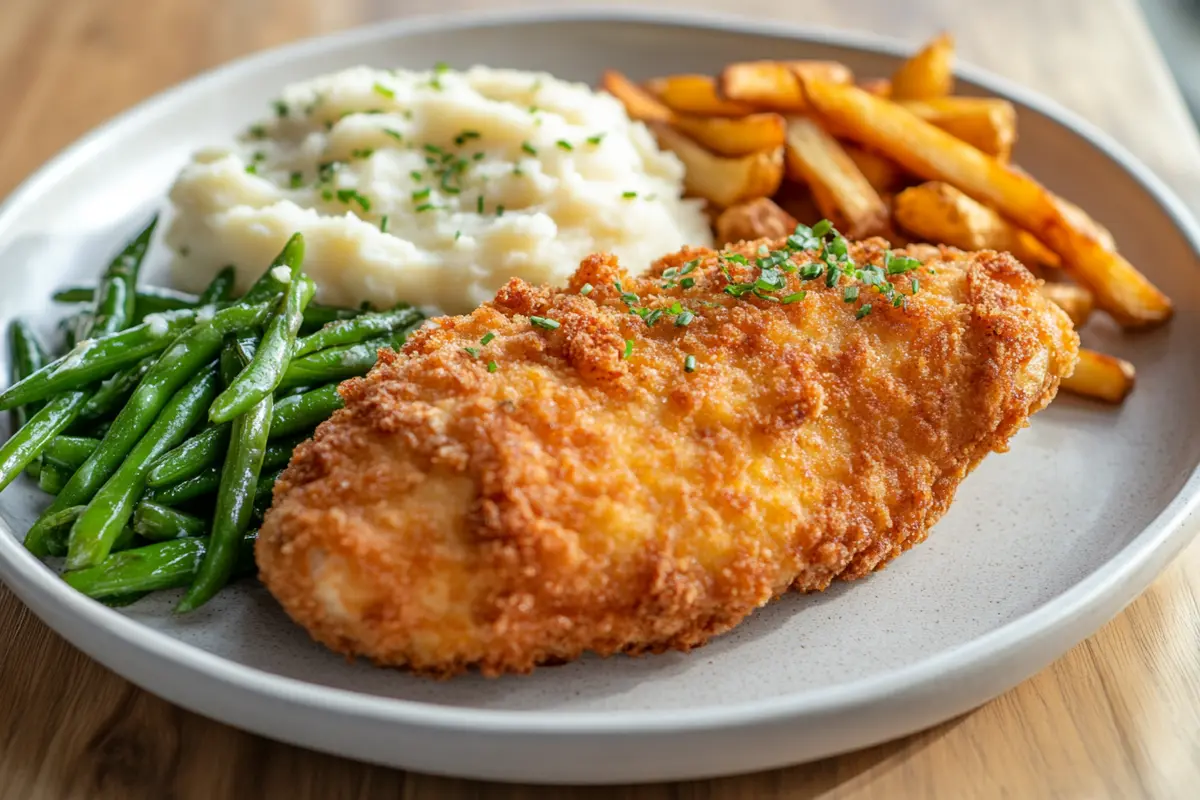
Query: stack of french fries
{"points": [[771, 143]]}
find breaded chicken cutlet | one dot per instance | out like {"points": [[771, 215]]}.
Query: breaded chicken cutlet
{"points": [[598, 469]]}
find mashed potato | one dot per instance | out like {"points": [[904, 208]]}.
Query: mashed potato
{"points": [[432, 188]]}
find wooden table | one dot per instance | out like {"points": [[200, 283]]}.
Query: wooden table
{"points": [[1118, 716]]}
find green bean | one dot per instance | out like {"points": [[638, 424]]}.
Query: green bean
{"points": [[317, 315], [148, 300], [235, 500], [339, 363], [189, 458], [34, 470], [181, 361], [158, 523], [26, 356], [74, 328], [202, 484], [294, 415], [124, 540], [112, 506], [121, 600], [95, 359], [53, 477], [28, 443], [70, 451], [353, 331], [269, 284], [113, 306], [116, 390], [264, 493], [164, 565], [260, 377], [58, 526], [220, 288]]}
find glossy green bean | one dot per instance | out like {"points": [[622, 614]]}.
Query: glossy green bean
{"points": [[164, 565], [235, 501], [220, 289], [159, 523], [317, 315], [176, 366], [116, 293], [113, 392], [340, 363], [26, 356], [265, 491], [58, 527], [205, 483], [96, 359], [70, 451], [112, 506], [352, 331], [28, 443], [149, 300], [260, 377], [270, 284], [53, 477], [301, 413], [190, 458]]}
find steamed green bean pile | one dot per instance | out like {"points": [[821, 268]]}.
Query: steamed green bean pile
{"points": [[162, 428]]}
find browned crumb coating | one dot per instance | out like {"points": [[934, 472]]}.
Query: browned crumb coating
{"points": [[576, 500]]}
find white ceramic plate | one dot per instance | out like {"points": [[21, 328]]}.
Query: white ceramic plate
{"points": [[1041, 547]]}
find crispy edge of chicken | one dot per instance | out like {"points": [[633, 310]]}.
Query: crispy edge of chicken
{"points": [[573, 499]]}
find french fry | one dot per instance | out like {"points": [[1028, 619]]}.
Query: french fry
{"points": [[880, 87], [842, 192], [1081, 220], [1101, 377], [757, 219], [735, 136], [723, 181], [696, 95], [938, 212], [931, 153], [929, 73], [884, 175], [639, 103], [775, 85], [987, 123], [1076, 301]]}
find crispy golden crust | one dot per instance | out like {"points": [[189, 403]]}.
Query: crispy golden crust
{"points": [[451, 517]]}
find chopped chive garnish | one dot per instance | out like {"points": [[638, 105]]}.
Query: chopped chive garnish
{"points": [[689, 266], [543, 322], [493, 366], [415, 174], [421, 194], [441, 67], [380, 89], [528, 148], [478, 157], [628, 195], [465, 137], [563, 144], [473, 352], [628, 348], [863, 311], [586, 289], [479, 204], [257, 132], [383, 223], [395, 134], [365, 152], [296, 180], [916, 286], [499, 210], [457, 235], [425, 207], [811, 271], [689, 364], [653, 317], [850, 294], [684, 319], [347, 195], [252, 169], [795, 297], [327, 194], [599, 137], [281, 108], [687, 283], [487, 337]]}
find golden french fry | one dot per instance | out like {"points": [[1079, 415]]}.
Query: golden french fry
{"points": [[735, 136], [1081, 220], [882, 173], [639, 103], [931, 153], [842, 192], [696, 95], [1075, 300], [987, 123], [723, 181], [929, 73], [880, 87], [1101, 377], [757, 219], [940, 213], [775, 85]]}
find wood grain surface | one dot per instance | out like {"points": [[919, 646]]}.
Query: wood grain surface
{"points": [[1118, 716]]}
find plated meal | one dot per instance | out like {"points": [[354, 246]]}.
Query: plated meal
{"points": [[483, 369]]}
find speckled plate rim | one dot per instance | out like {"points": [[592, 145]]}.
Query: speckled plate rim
{"points": [[980, 668]]}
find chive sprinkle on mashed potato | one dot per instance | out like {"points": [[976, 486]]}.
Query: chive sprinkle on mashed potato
{"points": [[433, 188]]}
